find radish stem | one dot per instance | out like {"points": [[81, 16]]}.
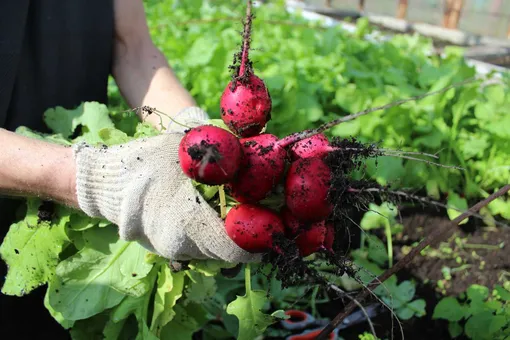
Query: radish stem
{"points": [[246, 40], [223, 202]]}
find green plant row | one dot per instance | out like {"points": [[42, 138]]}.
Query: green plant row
{"points": [[316, 74]]}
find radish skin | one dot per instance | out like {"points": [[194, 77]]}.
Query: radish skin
{"points": [[262, 167], [210, 155], [253, 227], [318, 236], [246, 106], [306, 189], [314, 146]]}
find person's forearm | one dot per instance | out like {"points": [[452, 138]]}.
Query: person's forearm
{"points": [[145, 78], [30, 167]]}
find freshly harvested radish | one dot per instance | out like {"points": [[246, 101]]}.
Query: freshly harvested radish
{"points": [[314, 146], [246, 106], [210, 155], [292, 225], [245, 103], [252, 227], [309, 237], [306, 189], [319, 236], [262, 167]]}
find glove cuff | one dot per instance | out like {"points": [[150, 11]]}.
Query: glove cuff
{"points": [[190, 116], [99, 181]]}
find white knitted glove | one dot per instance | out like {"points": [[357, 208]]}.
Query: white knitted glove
{"points": [[141, 188]]}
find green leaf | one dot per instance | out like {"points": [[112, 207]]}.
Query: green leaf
{"points": [[186, 322], [169, 290], [378, 216], [484, 325], [56, 315], [376, 250], [455, 329], [502, 293], [248, 309], [31, 251], [81, 222], [98, 276], [90, 329], [477, 292], [309, 105], [414, 308], [201, 51], [200, 288], [137, 306], [406, 291], [450, 309], [92, 116], [55, 138], [145, 129], [209, 267], [386, 169], [112, 136], [455, 201]]}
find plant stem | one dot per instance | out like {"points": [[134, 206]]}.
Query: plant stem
{"points": [[223, 202], [246, 40], [482, 246], [389, 242], [436, 236], [247, 278]]}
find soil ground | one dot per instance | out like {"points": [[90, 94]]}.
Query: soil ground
{"points": [[484, 253]]}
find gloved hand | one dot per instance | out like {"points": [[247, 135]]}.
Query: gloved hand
{"points": [[140, 187]]}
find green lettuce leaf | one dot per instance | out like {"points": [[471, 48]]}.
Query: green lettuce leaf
{"points": [[169, 290], [99, 275], [31, 250]]}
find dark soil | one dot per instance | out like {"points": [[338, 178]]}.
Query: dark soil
{"points": [[426, 271], [479, 265]]}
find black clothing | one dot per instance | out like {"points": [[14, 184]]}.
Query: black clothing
{"points": [[52, 53]]}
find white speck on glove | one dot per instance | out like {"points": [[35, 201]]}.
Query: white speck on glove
{"points": [[140, 187]]}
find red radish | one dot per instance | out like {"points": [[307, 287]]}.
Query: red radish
{"points": [[210, 155], [261, 168], [306, 189], [319, 236], [245, 103], [292, 225], [246, 106], [314, 146], [252, 227]]}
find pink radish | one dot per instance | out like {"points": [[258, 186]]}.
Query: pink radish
{"points": [[314, 146], [246, 106], [292, 225], [210, 155], [306, 189], [261, 168], [319, 236], [252, 227], [245, 103], [309, 237]]}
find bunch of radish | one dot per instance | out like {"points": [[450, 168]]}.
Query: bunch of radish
{"points": [[250, 164]]}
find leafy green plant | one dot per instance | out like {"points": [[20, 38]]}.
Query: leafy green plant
{"points": [[398, 296], [314, 74], [479, 313], [99, 285], [381, 216]]}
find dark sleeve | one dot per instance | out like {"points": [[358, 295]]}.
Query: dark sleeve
{"points": [[63, 58]]}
